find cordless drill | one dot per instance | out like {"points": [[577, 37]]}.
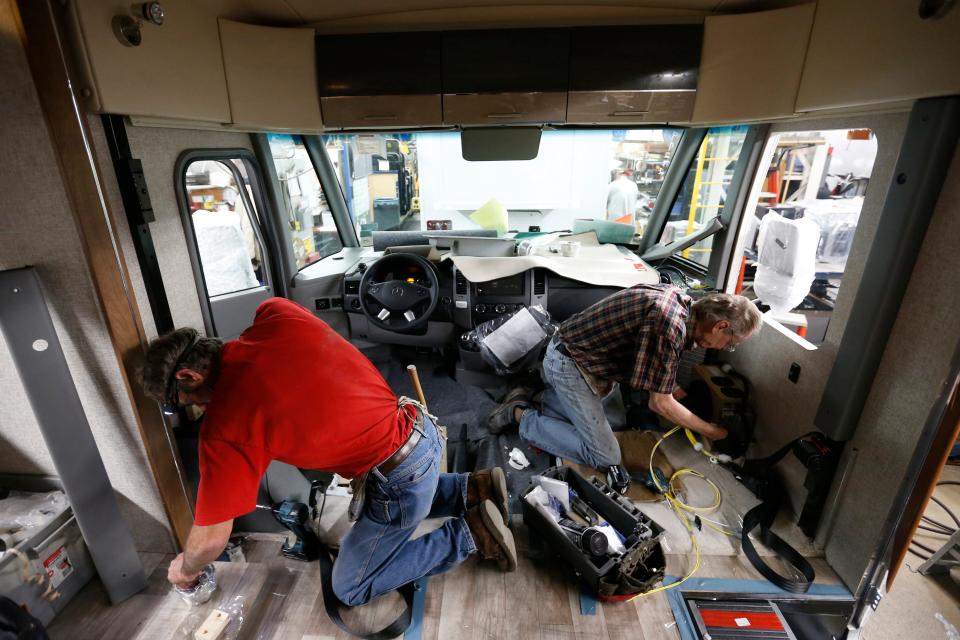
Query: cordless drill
{"points": [[294, 515]]}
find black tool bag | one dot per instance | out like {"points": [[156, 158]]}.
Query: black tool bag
{"points": [[17, 624], [611, 576]]}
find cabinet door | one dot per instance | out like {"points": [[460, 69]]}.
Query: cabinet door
{"points": [[867, 52], [505, 108], [751, 65], [264, 94]]}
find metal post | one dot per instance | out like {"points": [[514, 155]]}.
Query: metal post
{"points": [[25, 323]]}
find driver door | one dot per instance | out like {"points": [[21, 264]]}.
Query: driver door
{"points": [[223, 209]]}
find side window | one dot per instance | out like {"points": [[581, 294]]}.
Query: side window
{"points": [[226, 226], [703, 193], [799, 227], [308, 222]]}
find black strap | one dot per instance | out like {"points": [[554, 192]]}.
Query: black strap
{"points": [[755, 475], [332, 604], [760, 516]]}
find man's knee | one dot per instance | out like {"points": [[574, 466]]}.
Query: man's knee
{"points": [[606, 456], [348, 592]]}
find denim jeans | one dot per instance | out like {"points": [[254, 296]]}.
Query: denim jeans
{"points": [[573, 422], [377, 554]]}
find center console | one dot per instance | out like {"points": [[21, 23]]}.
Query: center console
{"points": [[477, 302]]}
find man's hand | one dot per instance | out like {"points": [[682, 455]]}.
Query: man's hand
{"points": [[177, 577], [679, 393], [715, 431], [666, 405], [204, 545]]}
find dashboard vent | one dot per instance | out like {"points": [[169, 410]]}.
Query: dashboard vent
{"points": [[461, 284], [539, 282], [351, 287]]}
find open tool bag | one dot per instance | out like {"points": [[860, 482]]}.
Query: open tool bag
{"points": [[609, 544]]}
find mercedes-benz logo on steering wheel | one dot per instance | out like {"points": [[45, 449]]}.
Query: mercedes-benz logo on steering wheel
{"points": [[397, 291]]}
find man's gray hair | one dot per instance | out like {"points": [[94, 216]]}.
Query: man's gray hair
{"points": [[740, 312], [164, 352]]}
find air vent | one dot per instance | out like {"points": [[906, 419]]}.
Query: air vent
{"points": [[539, 282], [351, 287], [461, 284]]}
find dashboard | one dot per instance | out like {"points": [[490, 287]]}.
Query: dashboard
{"points": [[462, 304]]}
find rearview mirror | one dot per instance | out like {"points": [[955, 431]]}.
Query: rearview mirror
{"points": [[502, 143]]}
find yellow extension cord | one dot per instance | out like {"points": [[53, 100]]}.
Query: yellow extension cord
{"points": [[679, 507]]}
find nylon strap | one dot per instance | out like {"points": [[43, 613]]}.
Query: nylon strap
{"points": [[332, 604]]}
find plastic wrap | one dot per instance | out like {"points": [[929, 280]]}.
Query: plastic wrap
{"points": [[202, 591], [513, 343], [787, 260], [22, 510]]}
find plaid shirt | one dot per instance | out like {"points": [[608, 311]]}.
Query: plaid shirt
{"points": [[634, 336]]}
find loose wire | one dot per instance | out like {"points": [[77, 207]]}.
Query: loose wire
{"points": [[682, 509]]}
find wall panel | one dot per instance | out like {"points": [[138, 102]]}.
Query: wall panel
{"points": [[37, 228]]}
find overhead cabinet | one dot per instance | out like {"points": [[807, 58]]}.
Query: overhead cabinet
{"points": [[752, 63], [255, 80], [505, 77], [633, 74], [379, 80]]}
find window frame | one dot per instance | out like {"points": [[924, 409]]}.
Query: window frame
{"points": [[725, 240], [258, 207]]}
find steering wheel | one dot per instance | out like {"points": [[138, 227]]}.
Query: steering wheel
{"points": [[398, 305]]}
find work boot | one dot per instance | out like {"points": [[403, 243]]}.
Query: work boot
{"points": [[489, 484], [493, 539], [503, 417]]}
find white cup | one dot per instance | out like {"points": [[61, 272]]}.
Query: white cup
{"points": [[569, 248]]}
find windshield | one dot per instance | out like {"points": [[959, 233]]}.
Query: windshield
{"points": [[420, 181]]}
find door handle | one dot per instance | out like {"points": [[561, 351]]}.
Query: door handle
{"points": [[383, 118], [624, 114], [504, 115]]}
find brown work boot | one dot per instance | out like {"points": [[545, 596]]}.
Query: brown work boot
{"points": [[504, 416], [489, 484], [493, 539]]}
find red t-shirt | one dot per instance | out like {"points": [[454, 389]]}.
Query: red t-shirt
{"points": [[291, 389]]}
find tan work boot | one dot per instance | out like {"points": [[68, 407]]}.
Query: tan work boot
{"points": [[493, 539], [489, 484]]}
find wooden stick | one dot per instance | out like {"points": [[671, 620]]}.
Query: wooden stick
{"points": [[415, 379]]}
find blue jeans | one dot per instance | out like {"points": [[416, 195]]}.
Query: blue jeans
{"points": [[574, 422], [377, 554]]}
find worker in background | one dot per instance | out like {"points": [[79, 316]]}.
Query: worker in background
{"points": [[634, 337], [291, 389], [622, 196]]}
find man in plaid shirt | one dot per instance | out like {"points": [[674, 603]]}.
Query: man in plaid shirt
{"points": [[634, 337]]}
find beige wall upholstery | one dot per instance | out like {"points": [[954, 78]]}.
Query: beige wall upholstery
{"points": [[868, 52], [915, 364], [786, 411], [751, 63], [177, 71], [271, 76], [37, 228], [158, 149]]}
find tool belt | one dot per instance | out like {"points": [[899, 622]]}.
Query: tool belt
{"points": [[359, 484]]}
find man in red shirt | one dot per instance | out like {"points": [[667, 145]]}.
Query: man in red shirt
{"points": [[291, 389]]}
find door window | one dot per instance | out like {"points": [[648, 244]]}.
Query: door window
{"points": [[226, 226], [703, 194], [800, 225], [308, 222]]}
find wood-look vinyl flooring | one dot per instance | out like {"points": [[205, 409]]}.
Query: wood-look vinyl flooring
{"points": [[281, 601]]}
